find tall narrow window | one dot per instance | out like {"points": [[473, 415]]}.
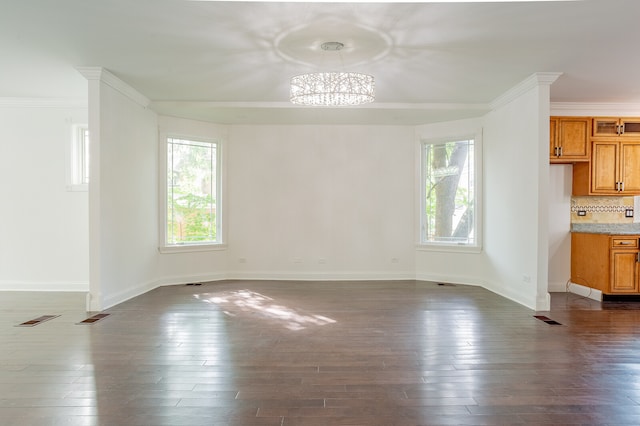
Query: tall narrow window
{"points": [[449, 200], [82, 155], [78, 171], [192, 209]]}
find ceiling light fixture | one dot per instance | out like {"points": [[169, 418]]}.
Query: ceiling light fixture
{"points": [[332, 88]]}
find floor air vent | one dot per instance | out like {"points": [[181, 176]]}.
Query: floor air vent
{"points": [[547, 320], [37, 321], [93, 319]]}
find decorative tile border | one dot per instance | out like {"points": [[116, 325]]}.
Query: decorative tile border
{"points": [[602, 209], [599, 209]]}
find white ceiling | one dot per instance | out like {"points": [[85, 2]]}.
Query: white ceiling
{"points": [[230, 62]]}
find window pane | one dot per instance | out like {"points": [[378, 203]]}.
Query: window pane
{"points": [[191, 192], [449, 192], [84, 157]]}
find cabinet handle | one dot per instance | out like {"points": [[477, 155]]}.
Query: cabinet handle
{"points": [[617, 186], [621, 129], [624, 243], [555, 151], [621, 186], [560, 150]]}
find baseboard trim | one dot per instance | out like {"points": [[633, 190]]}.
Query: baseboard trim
{"points": [[137, 290], [588, 292], [190, 279], [321, 276], [130, 293], [464, 280]]}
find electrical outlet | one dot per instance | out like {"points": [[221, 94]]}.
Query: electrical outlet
{"points": [[628, 213], [582, 212]]}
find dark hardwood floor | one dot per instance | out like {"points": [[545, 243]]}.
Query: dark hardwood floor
{"points": [[319, 353]]}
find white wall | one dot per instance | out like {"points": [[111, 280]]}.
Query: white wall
{"points": [[123, 192], [43, 227], [307, 202], [516, 181], [560, 176], [321, 202]]}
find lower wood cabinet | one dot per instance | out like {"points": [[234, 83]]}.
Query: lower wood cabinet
{"points": [[608, 263], [624, 276]]}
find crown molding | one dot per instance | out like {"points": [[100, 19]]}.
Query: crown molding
{"points": [[103, 75], [43, 103], [533, 81], [595, 108], [289, 105]]}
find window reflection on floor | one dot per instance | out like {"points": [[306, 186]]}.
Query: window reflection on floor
{"points": [[234, 303]]}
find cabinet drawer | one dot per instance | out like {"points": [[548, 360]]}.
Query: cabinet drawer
{"points": [[624, 242]]}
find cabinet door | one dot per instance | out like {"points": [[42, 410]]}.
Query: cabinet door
{"points": [[573, 138], [630, 167], [553, 151], [623, 271], [604, 170], [630, 127], [606, 126]]}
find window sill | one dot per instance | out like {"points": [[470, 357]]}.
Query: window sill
{"points": [[451, 248], [189, 248], [80, 187]]}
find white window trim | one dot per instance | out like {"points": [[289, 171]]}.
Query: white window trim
{"points": [[443, 246], [75, 161], [165, 248]]}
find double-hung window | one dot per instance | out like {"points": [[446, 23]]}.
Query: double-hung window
{"points": [[192, 204], [450, 182]]}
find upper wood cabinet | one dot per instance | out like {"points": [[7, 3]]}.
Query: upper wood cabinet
{"points": [[569, 139], [605, 127], [615, 167]]}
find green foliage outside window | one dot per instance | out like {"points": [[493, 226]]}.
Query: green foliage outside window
{"points": [[191, 192], [449, 192]]}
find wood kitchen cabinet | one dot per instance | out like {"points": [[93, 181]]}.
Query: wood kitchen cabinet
{"points": [[569, 139], [615, 167], [625, 127], [624, 265], [606, 263]]}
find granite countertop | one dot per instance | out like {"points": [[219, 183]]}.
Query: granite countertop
{"points": [[607, 228]]}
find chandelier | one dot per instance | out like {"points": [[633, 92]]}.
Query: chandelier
{"points": [[332, 88]]}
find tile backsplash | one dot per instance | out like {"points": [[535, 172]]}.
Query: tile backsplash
{"points": [[603, 209]]}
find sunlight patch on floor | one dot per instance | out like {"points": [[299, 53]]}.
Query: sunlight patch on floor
{"points": [[246, 301]]}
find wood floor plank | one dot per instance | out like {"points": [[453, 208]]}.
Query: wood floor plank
{"points": [[319, 353]]}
